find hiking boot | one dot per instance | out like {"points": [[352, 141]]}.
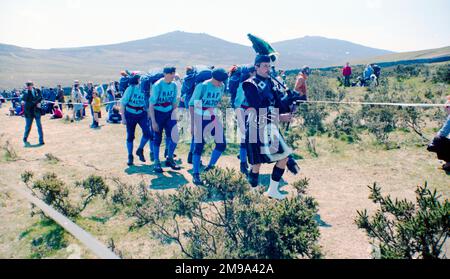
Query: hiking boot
{"points": [[42, 143], [208, 168], [244, 168], [157, 168], [130, 160], [292, 166], [140, 154], [26, 144], [197, 180], [171, 163]]}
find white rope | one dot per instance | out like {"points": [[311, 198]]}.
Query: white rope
{"points": [[374, 104]]}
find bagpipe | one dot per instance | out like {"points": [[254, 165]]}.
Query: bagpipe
{"points": [[290, 97]]}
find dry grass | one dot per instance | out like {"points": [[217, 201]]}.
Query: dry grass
{"points": [[338, 180]]}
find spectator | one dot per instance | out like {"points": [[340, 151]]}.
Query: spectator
{"points": [[441, 143], [96, 108], [77, 98], [60, 97], [32, 99], [115, 117], [347, 72], [57, 113]]}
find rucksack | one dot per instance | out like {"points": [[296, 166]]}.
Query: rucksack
{"points": [[123, 83], [191, 81], [148, 80]]}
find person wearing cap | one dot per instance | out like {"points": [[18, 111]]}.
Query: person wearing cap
{"points": [[134, 111], [300, 82], [32, 111], [77, 99], [241, 106], [441, 142], [162, 112], [204, 121], [264, 142]]}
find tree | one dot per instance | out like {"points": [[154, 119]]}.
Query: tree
{"points": [[401, 229]]}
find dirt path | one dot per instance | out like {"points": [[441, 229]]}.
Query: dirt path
{"points": [[338, 181]]}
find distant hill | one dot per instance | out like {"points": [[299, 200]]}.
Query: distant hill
{"points": [[103, 63], [322, 52], [413, 55]]}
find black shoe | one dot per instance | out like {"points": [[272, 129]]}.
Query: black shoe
{"points": [[140, 154], [189, 158], [244, 168], [130, 160], [152, 156], [197, 180], [292, 166], [42, 143], [208, 168], [157, 168], [171, 163]]}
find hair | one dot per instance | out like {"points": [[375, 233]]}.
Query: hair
{"points": [[115, 109]]}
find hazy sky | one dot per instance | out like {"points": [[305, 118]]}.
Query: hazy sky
{"points": [[398, 25]]}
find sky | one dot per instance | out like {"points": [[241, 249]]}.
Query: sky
{"points": [[396, 25]]}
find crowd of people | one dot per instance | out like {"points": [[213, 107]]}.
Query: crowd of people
{"points": [[260, 101]]}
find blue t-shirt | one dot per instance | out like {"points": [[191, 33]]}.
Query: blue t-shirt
{"points": [[164, 95], [133, 96], [205, 96], [240, 97]]}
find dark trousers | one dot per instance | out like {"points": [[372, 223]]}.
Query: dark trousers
{"points": [[166, 124], [137, 119], [209, 128], [347, 81]]}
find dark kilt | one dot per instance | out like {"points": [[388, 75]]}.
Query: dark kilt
{"points": [[265, 144]]}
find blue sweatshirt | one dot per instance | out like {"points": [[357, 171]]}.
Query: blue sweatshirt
{"points": [[207, 96], [164, 95]]}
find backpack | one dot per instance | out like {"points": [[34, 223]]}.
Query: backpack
{"points": [[148, 80], [191, 81], [124, 83]]}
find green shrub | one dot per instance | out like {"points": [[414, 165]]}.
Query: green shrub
{"points": [[401, 229]]}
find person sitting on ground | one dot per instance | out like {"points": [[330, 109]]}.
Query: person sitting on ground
{"points": [[115, 117], [57, 113], [441, 142]]}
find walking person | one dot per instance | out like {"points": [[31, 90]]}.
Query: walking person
{"points": [[77, 99], [134, 113], [204, 121], [264, 142], [163, 112], [32, 111]]}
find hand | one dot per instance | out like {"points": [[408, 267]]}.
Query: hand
{"points": [[155, 126], [38, 105], [287, 117]]}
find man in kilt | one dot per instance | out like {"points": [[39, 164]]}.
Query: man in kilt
{"points": [[264, 142]]}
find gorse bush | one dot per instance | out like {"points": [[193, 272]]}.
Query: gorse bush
{"points": [[226, 219], [51, 237], [401, 229]]}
